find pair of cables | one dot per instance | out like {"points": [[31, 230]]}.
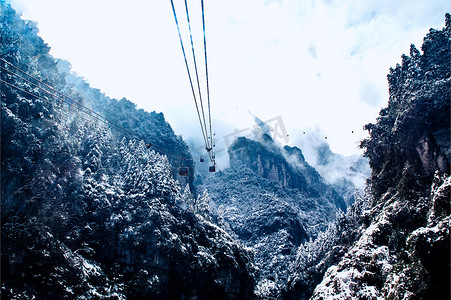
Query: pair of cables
{"points": [[206, 129], [92, 116]]}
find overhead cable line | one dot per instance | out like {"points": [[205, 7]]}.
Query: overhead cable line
{"points": [[63, 97], [75, 104], [189, 75], [121, 132], [47, 101], [72, 103], [206, 129], [206, 72], [208, 147]]}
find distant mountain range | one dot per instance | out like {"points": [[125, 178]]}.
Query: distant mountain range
{"points": [[273, 200]]}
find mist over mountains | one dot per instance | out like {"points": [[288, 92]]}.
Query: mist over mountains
{"points": [[98, 210], [273, 201], [346, 173]]}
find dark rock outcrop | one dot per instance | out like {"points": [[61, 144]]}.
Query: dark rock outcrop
{"points": [[410, 140]]}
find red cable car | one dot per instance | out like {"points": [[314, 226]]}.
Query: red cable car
{"points": [[183, 171], [212, 168]]}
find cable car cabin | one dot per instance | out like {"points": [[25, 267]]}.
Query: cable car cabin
{"points": [[202, 159], [184, 171], [212, 169]]}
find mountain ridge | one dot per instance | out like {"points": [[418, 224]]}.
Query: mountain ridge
{"points": [[394, 242], [88, 213], [272, 200]]}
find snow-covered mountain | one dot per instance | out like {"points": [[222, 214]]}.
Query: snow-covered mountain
{"points": [[272, 200], [98, 211], [87, 213], [394, 243]]}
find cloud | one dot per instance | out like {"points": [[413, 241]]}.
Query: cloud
{"points": [[312, 51], [370, 95], [263, 127], [264, 56], [332, 166]]}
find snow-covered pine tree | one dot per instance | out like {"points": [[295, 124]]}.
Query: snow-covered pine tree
{"points": [[187, 200], [202, 206]]}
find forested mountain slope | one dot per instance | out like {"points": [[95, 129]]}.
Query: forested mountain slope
{"points": [[272, 200], [87, 213], [150, 127], [395, 242]]}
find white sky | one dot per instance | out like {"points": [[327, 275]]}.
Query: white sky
{"points": [[320, 65]]}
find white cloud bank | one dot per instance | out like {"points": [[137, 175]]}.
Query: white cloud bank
{"points": [[318, 64]]}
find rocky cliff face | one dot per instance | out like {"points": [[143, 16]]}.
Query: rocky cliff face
{"points": [[285, 166], [273, 200], [398, 245], [410, 140], [402, 251]]}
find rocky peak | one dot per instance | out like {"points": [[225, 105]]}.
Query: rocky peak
{"points": [[411, 138], [274, 201], [286, 165], [396, 240], [263, 160], [295, 151]]}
